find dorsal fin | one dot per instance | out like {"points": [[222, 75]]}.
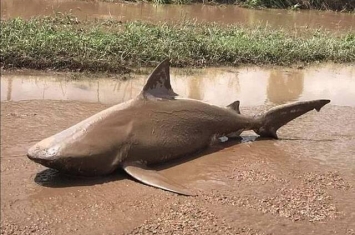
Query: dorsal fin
{"points": [[234, 106], [158, 84]]}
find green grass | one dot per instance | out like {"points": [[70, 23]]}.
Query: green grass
{"points": [[63, 43]]}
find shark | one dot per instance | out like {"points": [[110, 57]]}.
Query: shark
{"points": [[155, 127]]}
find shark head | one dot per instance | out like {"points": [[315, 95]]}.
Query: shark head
{"points": [[48, 152], [95, 146], [64, 153], [99, 144]]}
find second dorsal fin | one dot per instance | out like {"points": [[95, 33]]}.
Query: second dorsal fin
{"points": [[158, 84], [234, 106]]}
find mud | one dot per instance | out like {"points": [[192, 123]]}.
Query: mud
{"points": [[335, 22], [300, 184]]}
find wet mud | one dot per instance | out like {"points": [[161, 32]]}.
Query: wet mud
{"points": [[302, 183], [128, 11]]}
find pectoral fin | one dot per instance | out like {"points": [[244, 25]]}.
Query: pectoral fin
{"points": [[151, 177]]}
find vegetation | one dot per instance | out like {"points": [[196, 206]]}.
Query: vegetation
{"points": [[63, 43], [336, 5]]}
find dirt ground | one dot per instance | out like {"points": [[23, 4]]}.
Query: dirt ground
{"points": [[300, 184]]}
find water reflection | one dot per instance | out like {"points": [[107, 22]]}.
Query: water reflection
{"points": [[220, 86], [230, 14], [283, 87], [194, 91]]}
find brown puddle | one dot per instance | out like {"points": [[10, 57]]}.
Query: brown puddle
{"points": [[253, 86], [335, 22], [302, 183]]}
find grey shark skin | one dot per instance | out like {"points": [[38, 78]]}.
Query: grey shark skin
{"points": [[152, 128]]}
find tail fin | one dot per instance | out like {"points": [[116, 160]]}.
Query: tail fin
{"points": [[276, 117]]}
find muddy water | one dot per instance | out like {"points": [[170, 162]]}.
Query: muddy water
{"points": [[337, 22], [253, 86], [300, 184]]}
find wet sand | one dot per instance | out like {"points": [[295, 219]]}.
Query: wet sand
{"points": [[300, 184]]}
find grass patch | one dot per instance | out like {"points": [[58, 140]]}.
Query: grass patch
{"points": [[337, 5], [63, 43]]}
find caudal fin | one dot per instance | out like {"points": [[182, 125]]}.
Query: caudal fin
{"points": [[276, 117]]}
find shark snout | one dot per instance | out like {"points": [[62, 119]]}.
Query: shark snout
{"points": [[41, 152]]}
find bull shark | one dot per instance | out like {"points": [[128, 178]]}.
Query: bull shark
{"points": [[154, 127]]}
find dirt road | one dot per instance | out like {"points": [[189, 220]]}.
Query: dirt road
{"points": [[301, 184]]}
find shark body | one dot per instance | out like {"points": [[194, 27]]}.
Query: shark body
{"points": [[152, 128]]}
